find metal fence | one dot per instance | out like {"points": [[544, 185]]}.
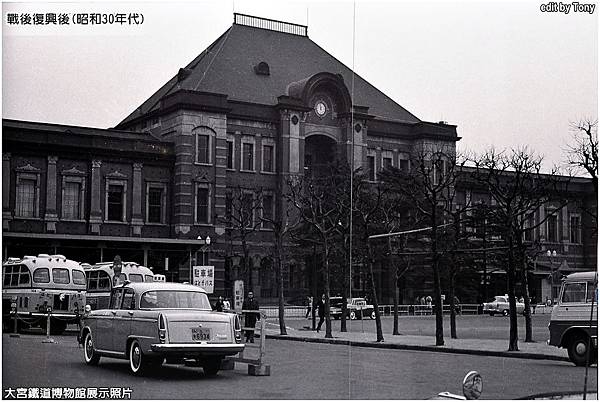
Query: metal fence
{"points": [[403, 310]]}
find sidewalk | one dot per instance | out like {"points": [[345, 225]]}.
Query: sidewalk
{"points": [[485, 347]]}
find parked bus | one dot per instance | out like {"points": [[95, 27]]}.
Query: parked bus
{"points": [[574, 320], [34, 285], [101, 278]]}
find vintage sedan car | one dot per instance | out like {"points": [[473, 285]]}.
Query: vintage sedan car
{"points": [[499, 305], [358, 308], [150, 322]]}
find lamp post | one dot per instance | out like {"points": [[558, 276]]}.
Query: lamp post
{"points": [[551, 254]]}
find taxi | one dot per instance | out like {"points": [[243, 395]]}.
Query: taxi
{"points": [[149, 323]]}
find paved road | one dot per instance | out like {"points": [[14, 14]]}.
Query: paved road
{"points": [[467, 326], [298, 371]]}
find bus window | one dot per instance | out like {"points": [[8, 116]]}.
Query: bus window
{"points": [[16, 275], [136, 278], [41, 275], [149, 278], [591, 289], [60, 275], [574, 293], [78, 277], [103, 280]]}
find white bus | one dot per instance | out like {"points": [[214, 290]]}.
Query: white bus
{"points": [[574, 320]]}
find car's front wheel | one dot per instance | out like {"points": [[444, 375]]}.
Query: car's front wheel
{"points": [[578, 351], [505, 313], [89, 353], [372, 315], [353, 315], [211, 367]]}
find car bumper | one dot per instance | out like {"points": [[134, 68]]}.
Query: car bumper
{"points": [[185, 349]]}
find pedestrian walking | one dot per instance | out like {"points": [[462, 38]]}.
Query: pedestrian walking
{"points": [[428, 300], [309, 306], [219, 304], [532, 303], [321, 312], [250, 318], [226, 305]]}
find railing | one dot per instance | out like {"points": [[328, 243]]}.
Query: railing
{"points": [[256, 365], [272, 25], [403, 310]]}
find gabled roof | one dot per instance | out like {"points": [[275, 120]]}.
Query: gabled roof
{"points": [[227, 67]]}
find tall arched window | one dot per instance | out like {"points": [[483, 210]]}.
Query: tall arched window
{"points": [[204, 138]]}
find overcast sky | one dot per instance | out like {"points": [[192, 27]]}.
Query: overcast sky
{"points": [[505, 73]]}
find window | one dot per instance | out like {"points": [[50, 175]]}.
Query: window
{"points": [[136, 278], [149, 278], [268, 165], [247, 210], [228, 209], [116, 299], [78, 277], [386, 159], [16, 275], [115, 200], [174, 299], [27, 197], [41, 275], [202, 148], [155, 201], [98, 280], [552, 229], [128, 300], [404, 165], [575, 229], [71, 200], [371, 167], [60, 275], [574, 293], [248, 156], [387, 162], [529, 223], [230, 154], [202, 205], [439, 171], [267, 210]]}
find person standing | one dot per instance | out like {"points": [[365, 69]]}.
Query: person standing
{"points": [[309, 307], [219, 304], [321, 312], [250, 317]]}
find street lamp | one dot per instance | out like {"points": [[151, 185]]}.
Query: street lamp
{"points": [[204, 251], [551, 254]]}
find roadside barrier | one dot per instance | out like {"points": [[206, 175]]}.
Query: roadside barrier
{"points": [[255, 363]]}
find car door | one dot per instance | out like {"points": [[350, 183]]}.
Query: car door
{"points": [[116, 299], [122, 320], [103, 338]]}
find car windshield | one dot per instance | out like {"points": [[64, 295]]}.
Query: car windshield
{"points": [[335, 302], [174, 299]]}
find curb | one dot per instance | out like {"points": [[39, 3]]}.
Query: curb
{"points": [[515, 355]]}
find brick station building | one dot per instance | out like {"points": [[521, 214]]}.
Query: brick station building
{"points": [[260, 103]]}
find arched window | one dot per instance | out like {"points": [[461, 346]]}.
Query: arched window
{"points": [[204, 138]]}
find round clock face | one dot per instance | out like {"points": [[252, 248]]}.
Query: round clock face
{"points": [[320, 108]]}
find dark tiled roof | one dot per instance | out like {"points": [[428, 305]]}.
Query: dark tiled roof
{"points": [[227, 67]]}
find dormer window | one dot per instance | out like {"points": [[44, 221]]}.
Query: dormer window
{"points": [[262, 69]]}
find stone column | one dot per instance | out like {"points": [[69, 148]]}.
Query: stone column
{"points": [[542, 227], [51, 215], [95, 188], [6, 171], [137, 220], [183, 204]]}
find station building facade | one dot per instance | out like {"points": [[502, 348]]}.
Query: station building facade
{"points": [[259, 104]]}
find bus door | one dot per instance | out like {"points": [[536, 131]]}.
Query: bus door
{"points": [[122, 321]]}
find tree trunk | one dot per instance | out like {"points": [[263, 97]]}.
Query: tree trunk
{"points": [[395, 278], [279, 264], [527, 311], [374, 292], [513, 343], [439, 313], [326, 283], [248, 267], [347, 283], [452, 305]]}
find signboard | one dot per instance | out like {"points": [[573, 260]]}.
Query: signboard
{"points": [[204, 276], [238, 295]]}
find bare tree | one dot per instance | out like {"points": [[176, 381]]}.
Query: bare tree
{"points": [[312, 199], [242, 220], [518, 187], [582, 153]]}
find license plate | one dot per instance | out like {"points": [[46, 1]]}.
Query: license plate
{"points": [[201, 334]]}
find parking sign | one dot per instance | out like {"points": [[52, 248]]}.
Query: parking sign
{"points": [[204, 276]]}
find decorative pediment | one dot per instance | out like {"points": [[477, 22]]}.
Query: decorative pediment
{"points": [[28, 169], [72, 172], [202, 177], [116, 175]]}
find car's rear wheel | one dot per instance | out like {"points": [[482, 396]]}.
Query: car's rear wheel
{"points": [[372, 315], [138, 363], [211, 367], [89, 353], [353, 315], [578, 351], [505, 313]]}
